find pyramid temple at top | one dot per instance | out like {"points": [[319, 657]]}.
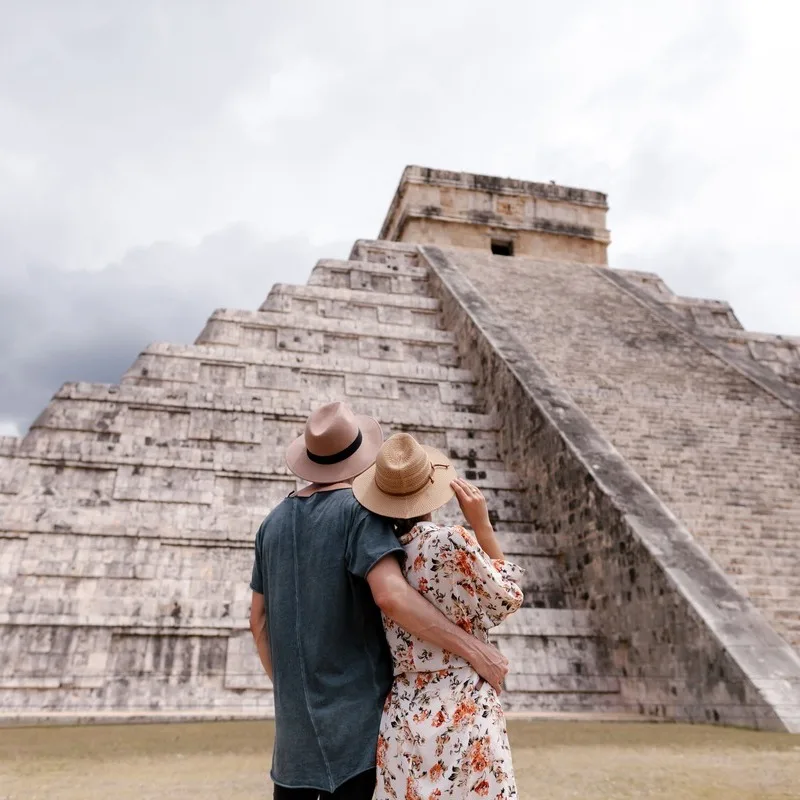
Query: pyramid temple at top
{"points": [[640, 452]]}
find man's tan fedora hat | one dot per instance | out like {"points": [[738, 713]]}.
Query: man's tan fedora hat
{"points": [[407, 480], [336, 445]]}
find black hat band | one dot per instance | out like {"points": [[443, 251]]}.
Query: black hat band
{"points": [[337, 457]]}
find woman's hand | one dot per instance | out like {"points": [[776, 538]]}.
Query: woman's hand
{"points": [[473, 506], [490, 664]]}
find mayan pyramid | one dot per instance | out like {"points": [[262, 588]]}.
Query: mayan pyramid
{"points": [[640, 452]]}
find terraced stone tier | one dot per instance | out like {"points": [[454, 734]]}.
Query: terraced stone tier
{"points": [[129, 511], [780, 353]]}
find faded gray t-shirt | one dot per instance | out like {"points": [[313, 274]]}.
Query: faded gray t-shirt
{"points": [[331, 663]]}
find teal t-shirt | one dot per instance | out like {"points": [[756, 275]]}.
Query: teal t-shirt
{"points": [[332, 667]]}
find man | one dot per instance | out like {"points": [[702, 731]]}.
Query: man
{"points": [[324, 569]]}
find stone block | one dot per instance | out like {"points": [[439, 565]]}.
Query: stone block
{"points": [[164, 485]]}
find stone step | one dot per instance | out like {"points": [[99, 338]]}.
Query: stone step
{"points": [[776, 597], [85, 566], [788, 546], [151, 585], [9, 444], [743, 556], [513, 542], [178, 701], [572, 704], [542, 583], [386, 263], [198, 544], [176, 697], [380, 251], [545, 622], [390, 278], [316, 334], [560, 684], [521, 693], [581, 655], [162, 603], [153, 614], [340, 387], [143, 518], [199, 362], [117, 409], [229, 445], [556, 662], [120, 500], [153, 467], [282, 383], [777, 539], [785, 577], [753, 570], [77, 555], [10, 478], [326, 301], [83, 454]]}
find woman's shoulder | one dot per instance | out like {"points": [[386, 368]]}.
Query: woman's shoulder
{"points": [[448, 536]]}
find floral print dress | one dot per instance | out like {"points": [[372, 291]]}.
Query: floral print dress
{"points": [[443, 733]]}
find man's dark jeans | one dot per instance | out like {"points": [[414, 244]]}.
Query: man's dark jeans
{"points": [[359, 788]]}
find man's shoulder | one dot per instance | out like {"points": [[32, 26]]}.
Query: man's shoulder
{"points": [[278, 514], [343, 496], [339, 505]]}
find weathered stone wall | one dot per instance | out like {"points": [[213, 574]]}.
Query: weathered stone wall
{"points": [[537, 244], [456, 209], [127, 514], [687, 644]]}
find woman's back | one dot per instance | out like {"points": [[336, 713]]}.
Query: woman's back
{"points": [[443, 734], [448, 567]]}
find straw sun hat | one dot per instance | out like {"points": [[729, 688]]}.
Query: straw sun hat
{"points": [[335, 446], [408, 479]]}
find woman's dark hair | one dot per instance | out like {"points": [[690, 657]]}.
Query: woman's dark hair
{"points": [[403, 526]]}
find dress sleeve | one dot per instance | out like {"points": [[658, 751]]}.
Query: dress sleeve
{"points": [[484, 591]]}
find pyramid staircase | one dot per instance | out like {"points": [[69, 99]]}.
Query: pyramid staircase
{"points": [[128, 512]]}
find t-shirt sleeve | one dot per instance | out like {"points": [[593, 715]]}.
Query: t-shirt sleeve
{"points": [[370, 538], [257, 580]]}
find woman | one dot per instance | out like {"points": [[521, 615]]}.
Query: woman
{"points": [[443, 734]]}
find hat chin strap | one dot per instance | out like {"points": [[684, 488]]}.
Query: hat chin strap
{"points": [[337, 457]]}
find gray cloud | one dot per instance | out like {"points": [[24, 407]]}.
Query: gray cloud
{"points": [[129, 131], [62, 325]]}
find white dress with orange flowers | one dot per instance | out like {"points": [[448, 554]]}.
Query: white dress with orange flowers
{"points": [[443, 734]]}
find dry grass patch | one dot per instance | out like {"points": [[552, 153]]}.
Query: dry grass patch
{"points": [[554, 760]]}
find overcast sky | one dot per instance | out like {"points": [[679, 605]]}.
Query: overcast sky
{"points": [[159, 159]]}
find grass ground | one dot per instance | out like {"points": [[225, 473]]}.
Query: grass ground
{"points": [[553, 760]]}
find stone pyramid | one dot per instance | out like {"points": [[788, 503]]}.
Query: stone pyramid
{"points": [[640, 453]]}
